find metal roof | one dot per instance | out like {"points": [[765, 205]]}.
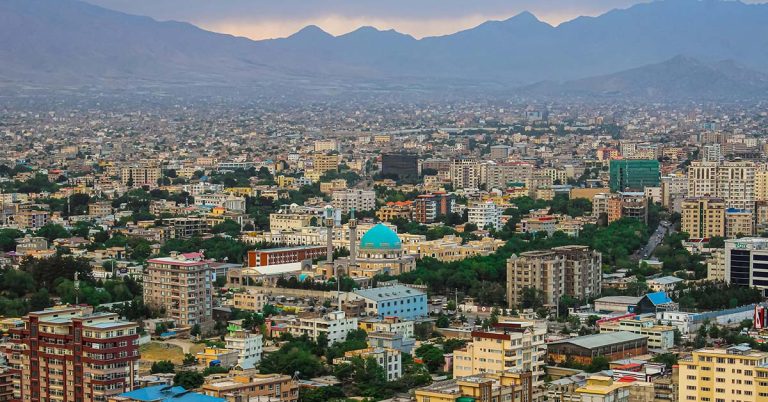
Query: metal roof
{"points": [[599, 340]]}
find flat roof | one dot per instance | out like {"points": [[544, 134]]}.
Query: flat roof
{"points": [[599, 340]]}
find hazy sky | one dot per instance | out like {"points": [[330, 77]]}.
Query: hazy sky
{"points": [[260, 19]]}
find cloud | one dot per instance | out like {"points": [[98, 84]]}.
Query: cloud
{"points": [[261, 19]]}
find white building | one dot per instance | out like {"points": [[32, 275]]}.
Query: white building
{"points": [[389, 359], [335, 325], [247, 344], [485, 214]]}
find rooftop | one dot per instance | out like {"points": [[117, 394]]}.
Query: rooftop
{"points": [[599, 340], [388, 293], [167, 393]]}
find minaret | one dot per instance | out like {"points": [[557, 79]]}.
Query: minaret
{"points": [[329, 234], [352, 239]]}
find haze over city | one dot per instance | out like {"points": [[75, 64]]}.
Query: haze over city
{"points": [[395, 201]]}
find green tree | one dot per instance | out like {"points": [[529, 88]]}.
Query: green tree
{"points": [[189, 379], [162, 366], [432, 356]]}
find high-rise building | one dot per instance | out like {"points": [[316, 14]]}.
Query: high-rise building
{"points": [[465, 173], [400, 165], [746, 262], [734, 182], [485, 214], [633, 174], [627, 205], [761, 183], [674, 188], [181, 285], [734, 374], [569, 270], [703, 217], [427, 208], [511, 345], [70, 354]]}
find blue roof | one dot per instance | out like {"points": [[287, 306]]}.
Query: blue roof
{"points": [[380, 237], [659, 298], [167, 393]]}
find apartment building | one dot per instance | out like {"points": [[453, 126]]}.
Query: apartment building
{"points": [[500, 175], [359, 200], [181, 285], [703, 217], [485, 214], [250, 300], [569, 270], [395, 210], [247, 344], [326, 163], [252, 386], [389, 359], [734, 182], [326, 145], [512, 345], [140, 175], [506, 386], [71, 354], [739, 223], [335, 325], [465, 173], [286, 220], [733, 374], [427, 208]]}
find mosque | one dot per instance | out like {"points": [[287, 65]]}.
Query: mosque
{"points": [[380, 252]]}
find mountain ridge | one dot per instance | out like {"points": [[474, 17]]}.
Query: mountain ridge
{"points": [[52, 43]]}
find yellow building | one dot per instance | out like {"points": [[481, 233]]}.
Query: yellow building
{"points": [[450, 248], [240, 191], [703, 217], [325, 163], [735, 374], [513, 344], [761, 184], [272, 387], [605, 389], [739, 222], [505, 386], [333, 185], [217, 356]]}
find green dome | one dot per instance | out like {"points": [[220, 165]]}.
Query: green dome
{"points": [[380, 237]]}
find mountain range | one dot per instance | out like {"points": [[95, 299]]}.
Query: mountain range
{"points": [[682, 48]]}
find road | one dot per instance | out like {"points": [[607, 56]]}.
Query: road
{"points": [[656, 238]]}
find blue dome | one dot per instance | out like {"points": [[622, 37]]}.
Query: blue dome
{"points": [[380, 237]]}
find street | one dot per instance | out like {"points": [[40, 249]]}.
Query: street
{"points": [[656, 238]]}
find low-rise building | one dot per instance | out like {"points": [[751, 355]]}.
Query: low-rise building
{"points": [[393, 301], [582, 349], [659, 336]]}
